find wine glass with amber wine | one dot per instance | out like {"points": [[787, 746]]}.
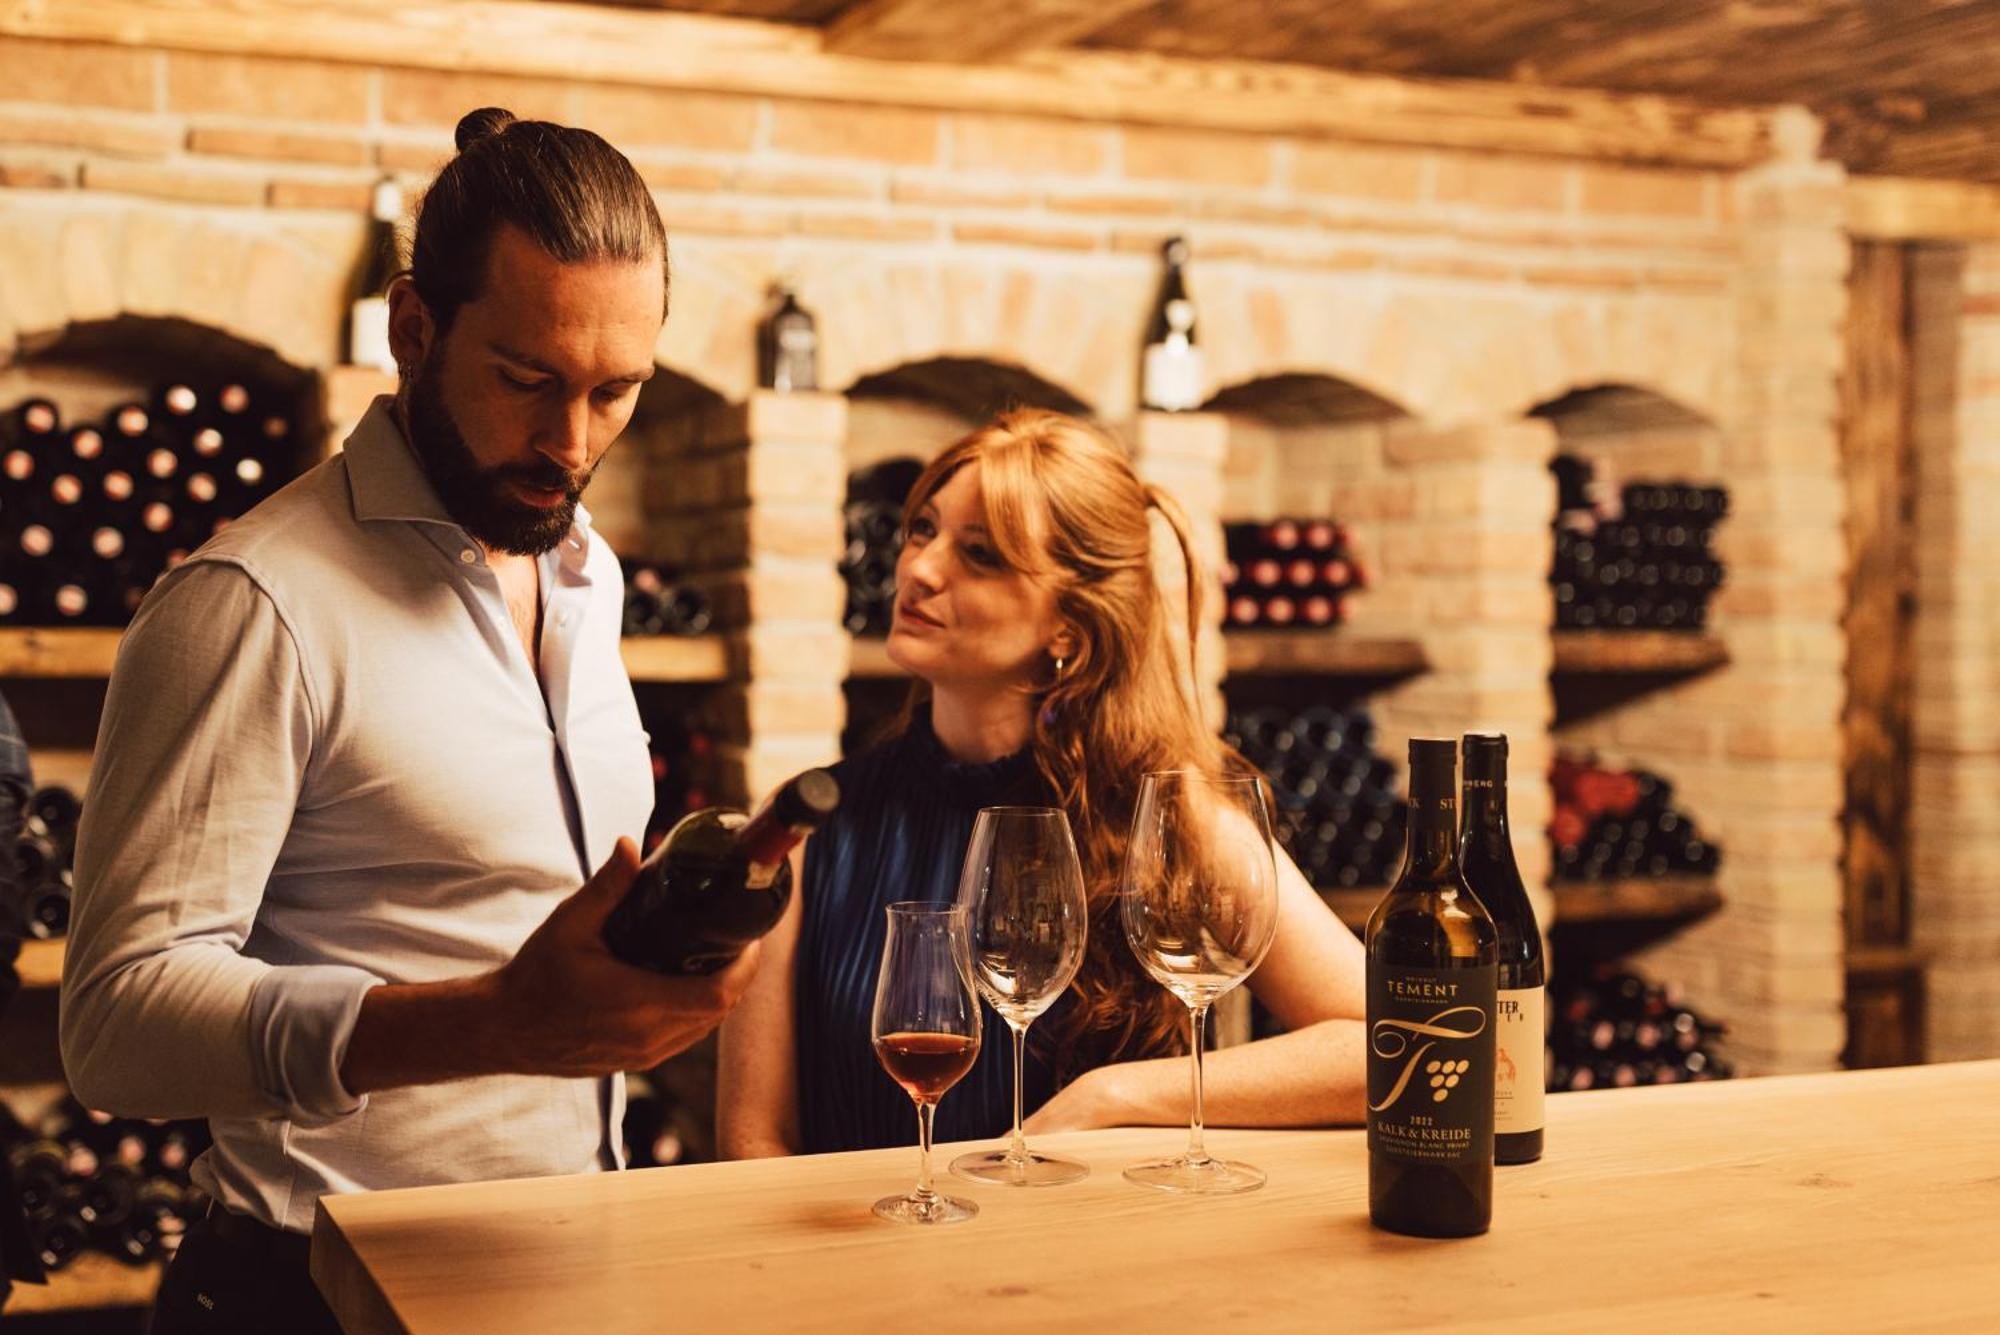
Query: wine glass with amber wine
{"points": [[926, 1028]]}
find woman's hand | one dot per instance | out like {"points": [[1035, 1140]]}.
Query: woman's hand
{"points": [[1084, 1104]]}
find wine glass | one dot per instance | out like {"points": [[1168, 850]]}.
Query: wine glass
{"points": [[1200, 904], [926, 1028], [1026, 921]]}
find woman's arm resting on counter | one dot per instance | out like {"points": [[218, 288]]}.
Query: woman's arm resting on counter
{"points": [[1312, 981]]}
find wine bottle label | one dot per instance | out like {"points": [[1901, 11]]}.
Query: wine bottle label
{"points": [[1517, 1077], [368, 334], [1430, 1064], [1171, 377]]}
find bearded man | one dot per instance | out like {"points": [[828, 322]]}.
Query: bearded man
{"points": [[362, 747]]}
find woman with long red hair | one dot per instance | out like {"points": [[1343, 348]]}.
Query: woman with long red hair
{"points": [[1029, 613]]}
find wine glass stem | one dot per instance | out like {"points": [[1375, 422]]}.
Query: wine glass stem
{"points": [[1197, 1025], [924, 1111], [1020, 1150]]}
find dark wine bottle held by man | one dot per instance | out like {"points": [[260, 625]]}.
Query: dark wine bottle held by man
{"points": [[718, 881], [1486, 857], [1432, 972]]}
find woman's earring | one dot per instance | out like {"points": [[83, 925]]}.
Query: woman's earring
{"points": [[1061, 663]]}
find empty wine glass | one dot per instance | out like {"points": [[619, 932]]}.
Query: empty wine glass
{"points": [[926, 1028], [1199, 898], [1026, 920]]}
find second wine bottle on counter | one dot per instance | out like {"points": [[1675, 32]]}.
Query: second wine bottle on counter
{"points": [[1432, 973], [1486, 857], [718, 881]]}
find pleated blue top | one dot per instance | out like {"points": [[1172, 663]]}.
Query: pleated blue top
{"points": [[905, 816]]}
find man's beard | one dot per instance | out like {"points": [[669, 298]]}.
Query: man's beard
{"points": [[477, 497]]}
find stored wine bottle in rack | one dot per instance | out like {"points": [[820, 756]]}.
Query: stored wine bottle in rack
{"points": [[1614, 1029], [1611, 824], [1170, 377], [874, 536], [788, 345], [1432, 974], [368, 309], [1486, 857], [1289, 573], [1336, 811], [93, 512], [652, 1140], [1640, 559], [659, 603], [717, 882], [42, 852], [88, 1180]]}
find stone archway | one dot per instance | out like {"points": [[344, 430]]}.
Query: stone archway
{"points": [[276, 283]]}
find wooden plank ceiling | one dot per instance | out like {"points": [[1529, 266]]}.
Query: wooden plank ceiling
{"points": [[1907, 87]]}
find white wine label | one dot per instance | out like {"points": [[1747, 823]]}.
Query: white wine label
{"points": [[1430, 1064], [368, 334], [1518, 1079], [1171, 376]]}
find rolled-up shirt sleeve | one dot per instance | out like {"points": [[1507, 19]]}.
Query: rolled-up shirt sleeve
{"points": [[205, 744]]}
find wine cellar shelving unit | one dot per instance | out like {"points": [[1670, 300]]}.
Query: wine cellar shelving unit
{"points": [[1401, 304], [87, 654], [1661, 899]]}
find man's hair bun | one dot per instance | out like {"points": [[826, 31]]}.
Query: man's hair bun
{"points": [[482, 124]]}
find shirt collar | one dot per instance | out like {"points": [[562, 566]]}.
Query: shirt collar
{"points": [[387, 482]]}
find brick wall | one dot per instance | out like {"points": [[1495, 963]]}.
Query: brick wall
{"points": [[1760, 748], [1460, 290]]}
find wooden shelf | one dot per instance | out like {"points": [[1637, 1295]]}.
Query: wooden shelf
{"points": [[870, 660], [40, 964], [1353, 906], [1637, 651], [65, 767], [1646, 900], [1576, 901], [675, 657], [57, 651], [93, 1280], [1322, 653], [43, 652]]}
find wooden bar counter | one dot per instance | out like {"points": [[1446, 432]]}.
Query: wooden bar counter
{"points": [[1863, 1200]]}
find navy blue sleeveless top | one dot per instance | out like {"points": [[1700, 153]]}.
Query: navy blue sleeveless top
{"points": [[905, 816]]}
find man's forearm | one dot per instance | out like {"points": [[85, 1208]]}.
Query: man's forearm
{"points": [[423, 1034]]}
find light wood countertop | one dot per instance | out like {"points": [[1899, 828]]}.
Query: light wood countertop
{"points": [[1863, 1201]]}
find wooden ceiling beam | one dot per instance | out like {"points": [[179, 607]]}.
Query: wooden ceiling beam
{"points": [[952, 31], [670, 50], [1895, 208]]}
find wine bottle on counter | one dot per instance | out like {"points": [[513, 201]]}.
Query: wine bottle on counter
{"points": [[1170, 375], [717, 882], [1431, 978], [788, 345], [368, 313], [1486, 856]]}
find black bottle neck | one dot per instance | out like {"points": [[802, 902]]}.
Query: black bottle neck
{"points": [[1486, 810], [1431, 851]]}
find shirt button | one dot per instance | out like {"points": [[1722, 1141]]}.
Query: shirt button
{"points": [[562, 618], [467, 556]]}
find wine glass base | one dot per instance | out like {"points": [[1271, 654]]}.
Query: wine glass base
{"points": [[1031, 1169], [1204, 1177], [932, 1209]]}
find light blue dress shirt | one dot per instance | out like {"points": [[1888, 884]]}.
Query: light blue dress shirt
{"points": [[325, 763]]}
